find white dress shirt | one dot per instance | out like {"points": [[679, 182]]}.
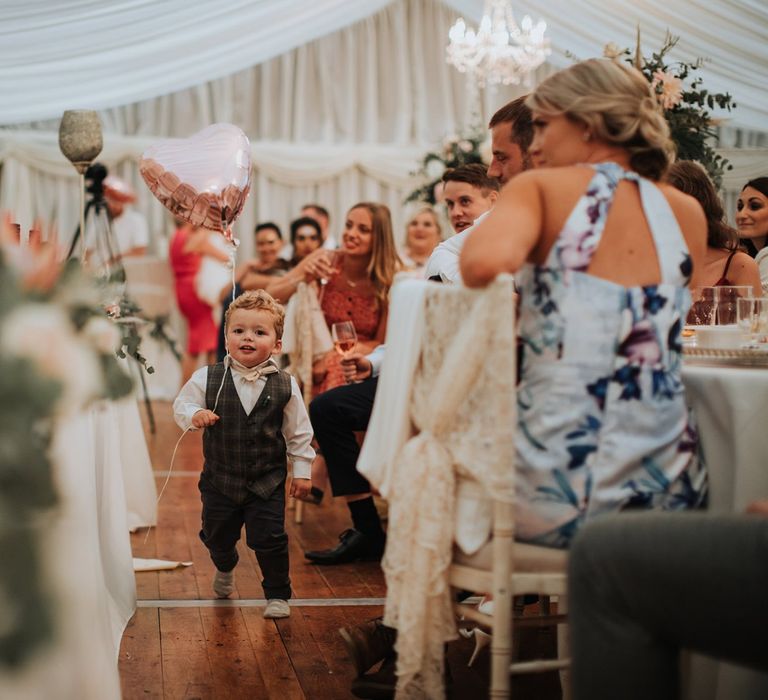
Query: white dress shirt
{"points": [[444, 261], [376, 357], [296, 429]]}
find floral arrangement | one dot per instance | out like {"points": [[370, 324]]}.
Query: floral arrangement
{"points": [[455, 151], [57, 354], [686, 108]]}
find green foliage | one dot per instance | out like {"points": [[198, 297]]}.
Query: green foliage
{"points": [[27, 403], [456, 151], [30, 398], [690, 121]]}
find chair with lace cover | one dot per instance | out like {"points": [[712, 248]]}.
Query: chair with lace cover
{"points": [[449, 477], [305, 336]]}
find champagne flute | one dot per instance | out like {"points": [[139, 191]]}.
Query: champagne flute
{"points": [[331, 257], [344, 338], [752, 319]]}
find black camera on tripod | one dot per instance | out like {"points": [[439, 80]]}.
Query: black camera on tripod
{"points": [[94, 183]]}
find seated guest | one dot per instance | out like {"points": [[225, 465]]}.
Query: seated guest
{"points": [[422, 235], [306, 237], [626, 638], [320, 214], [346, 409], [269, 242], [724, 263], [468, 193], [752, 221], [511, 134], [603, 424], [358, 287], [254, 274]]}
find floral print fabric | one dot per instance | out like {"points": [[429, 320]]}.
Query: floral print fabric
{"points": [[602, 419]]}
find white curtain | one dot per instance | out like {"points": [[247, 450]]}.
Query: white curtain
{"points": [[343, 118], [729, 34], [98, 54]]}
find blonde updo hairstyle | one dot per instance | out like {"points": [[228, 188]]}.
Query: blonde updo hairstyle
{"points": [[616, 105]]}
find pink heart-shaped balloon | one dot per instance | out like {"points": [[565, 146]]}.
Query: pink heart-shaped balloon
{"points": [[204, 179]]}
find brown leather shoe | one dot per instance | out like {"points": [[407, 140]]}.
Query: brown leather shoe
{"points": [[368, 643]]}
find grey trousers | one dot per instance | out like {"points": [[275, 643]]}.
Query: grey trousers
{"points": [[644, 586]]}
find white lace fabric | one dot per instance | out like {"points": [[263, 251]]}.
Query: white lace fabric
{"points": [[305, 336], [462, 408]]}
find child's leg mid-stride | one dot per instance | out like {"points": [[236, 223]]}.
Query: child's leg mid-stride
{"points": [[222, 524], [265, 535]]}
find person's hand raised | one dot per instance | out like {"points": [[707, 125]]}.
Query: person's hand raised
{"points": [[317, 265]]}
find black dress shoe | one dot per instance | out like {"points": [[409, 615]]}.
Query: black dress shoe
{"points": [[369, 643], [353, 546], [379, 685]]}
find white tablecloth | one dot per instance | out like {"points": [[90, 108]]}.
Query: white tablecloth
{"points": [[731, 405], [138, 477], [88, 563]]}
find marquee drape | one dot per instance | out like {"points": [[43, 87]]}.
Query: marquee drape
{"points": [[341, 118]]}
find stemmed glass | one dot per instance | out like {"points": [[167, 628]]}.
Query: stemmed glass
{"points": [[344, 338], [752, 318]]}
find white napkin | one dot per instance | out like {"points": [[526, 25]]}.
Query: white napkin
{"points": [[157, 564]]}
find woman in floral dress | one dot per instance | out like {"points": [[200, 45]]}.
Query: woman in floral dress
{"points": [[603, 256]]}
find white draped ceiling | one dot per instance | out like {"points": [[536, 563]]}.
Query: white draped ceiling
{"points": [[339, 98]]}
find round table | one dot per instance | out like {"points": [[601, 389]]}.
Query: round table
{"points": [[731, 408]]}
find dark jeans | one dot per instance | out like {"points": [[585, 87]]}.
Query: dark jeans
{"points": [[336, 415], [644, 586], [264, 521]]}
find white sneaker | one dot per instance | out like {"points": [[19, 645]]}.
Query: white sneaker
{"points": [[276, 609], [224, 583]]}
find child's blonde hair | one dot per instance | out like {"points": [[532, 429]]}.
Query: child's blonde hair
{"points": [[259, 300]]}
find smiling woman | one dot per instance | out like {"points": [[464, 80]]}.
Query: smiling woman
{"points": [[752, 221], [359, 287]]}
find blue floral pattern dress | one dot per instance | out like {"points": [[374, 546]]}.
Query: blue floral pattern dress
{"points": [[603, 423]]}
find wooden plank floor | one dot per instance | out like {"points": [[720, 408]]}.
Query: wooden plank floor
{"points": [[175, 648]]}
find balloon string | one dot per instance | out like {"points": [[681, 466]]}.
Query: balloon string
{"points": [[232, 261]]}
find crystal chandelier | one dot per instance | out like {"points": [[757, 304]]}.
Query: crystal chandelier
{"points": [[501, 52]]}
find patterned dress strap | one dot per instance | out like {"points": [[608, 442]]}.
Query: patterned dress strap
{"points": [[583, 229], [671, 248]]}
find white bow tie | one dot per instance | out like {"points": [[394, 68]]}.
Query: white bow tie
{"points": [[251, 374]]}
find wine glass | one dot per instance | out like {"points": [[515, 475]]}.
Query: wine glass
{"points": [[344, 338], [752, 318]]}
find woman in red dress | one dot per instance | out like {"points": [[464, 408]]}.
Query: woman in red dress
{"points": [[357, 291], [188, 246]]}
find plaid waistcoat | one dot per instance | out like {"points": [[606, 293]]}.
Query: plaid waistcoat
{"points": [[245, 453]]}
